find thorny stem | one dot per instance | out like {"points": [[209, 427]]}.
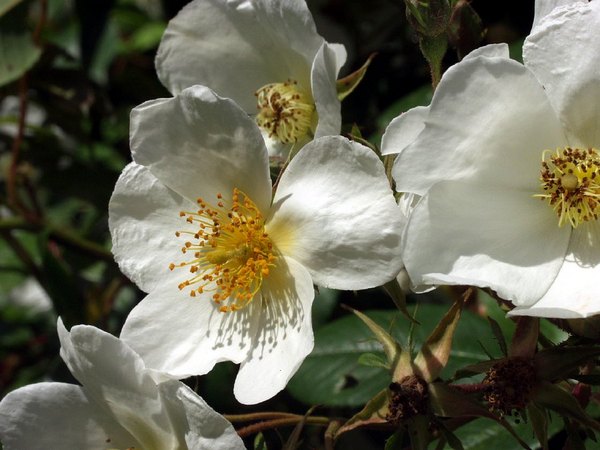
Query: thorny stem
{"points": [[11, 181], [276, 423]]}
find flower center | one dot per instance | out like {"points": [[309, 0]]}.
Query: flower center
{"points": [[232, 253], [570, 179], [284, 111]]}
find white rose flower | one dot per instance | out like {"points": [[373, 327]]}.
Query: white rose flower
{"points": [[266, 55], [120, 405], [243, 288], [507, 160]]}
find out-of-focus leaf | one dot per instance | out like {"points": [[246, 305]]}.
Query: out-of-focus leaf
{"points": [[61, 284], [325, 302], [18, 53], [259, 442], [145, 38], [332, 375], [485, 434], [7, 5], [373, 360]]}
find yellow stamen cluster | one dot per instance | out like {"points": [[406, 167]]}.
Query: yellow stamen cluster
{"points": [[284, 111], [232, 253], [570, 179]]}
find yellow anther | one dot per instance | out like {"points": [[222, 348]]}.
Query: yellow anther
{"points": [[570, 181], [232, 252]]}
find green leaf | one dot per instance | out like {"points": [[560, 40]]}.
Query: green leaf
{"points": [[18, 53], [485, 434], [373, 360], [331, 374], [325, 302]]}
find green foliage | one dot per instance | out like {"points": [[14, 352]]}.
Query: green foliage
{"points": [[332, 374], [18, 52]]}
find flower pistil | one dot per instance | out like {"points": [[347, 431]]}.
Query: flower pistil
{"points": [[284, 111]]}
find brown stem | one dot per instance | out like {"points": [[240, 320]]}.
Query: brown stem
{"points": [[330, 432], [267, 415], [276, 423], [11, 181], [41, 22]]}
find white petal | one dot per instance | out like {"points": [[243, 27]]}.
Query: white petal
{"points": [[563, 54], [489, 120], [334, 213], [47, 416], [323, 80], [207, 429], [490, 51], [236, 47], [403, 130], [199, 144], [544, 7], [485, 236], [143, 216], [340, 55], [184, 335], [575, 292], [285, 335], [114, 376]]}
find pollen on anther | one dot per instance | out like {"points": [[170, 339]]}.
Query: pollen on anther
{"points": [[232, 253]]}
